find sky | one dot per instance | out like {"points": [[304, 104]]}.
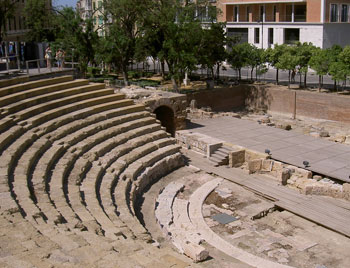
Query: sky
{"points": [[71, 3]]}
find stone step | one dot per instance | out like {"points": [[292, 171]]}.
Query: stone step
{"points": [[66, 162], [92, 91], [66, 109], [13, 81], [25, 84], [21, 100], [75, 120]]}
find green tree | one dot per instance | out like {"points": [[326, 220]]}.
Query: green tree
{"points": [[273, 55], [212, 51], [72, 33], [38, 20], [335, 68], [288, 61], [340, 69], [304, 53], [320, 62], [238, 56], [6, 12], [125, 19]]}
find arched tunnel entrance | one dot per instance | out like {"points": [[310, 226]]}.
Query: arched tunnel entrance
{"points": [[167, 119]]}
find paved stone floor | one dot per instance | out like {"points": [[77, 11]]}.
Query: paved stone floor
{"points": [[325, 157]]}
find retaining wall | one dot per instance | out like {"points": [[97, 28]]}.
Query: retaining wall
{"points": [[302, 103]]}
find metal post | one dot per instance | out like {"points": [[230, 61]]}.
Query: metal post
{"points": [[6, 56], [17, 53], [38, 64]]}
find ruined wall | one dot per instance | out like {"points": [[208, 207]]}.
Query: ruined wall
{"points": [[260, 97], [223, 99], [308, 104]]}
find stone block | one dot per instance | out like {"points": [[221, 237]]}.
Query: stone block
{"points": [[277, 166], [254, 165], [267, 165], [284, 176], [317, 177], [347, 139], [236, 158], [196, 252], [251, 155]]}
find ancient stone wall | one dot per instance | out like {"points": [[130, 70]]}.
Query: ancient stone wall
{"points": [[280, 100], [223, 99]]}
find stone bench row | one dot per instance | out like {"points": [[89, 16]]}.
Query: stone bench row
{"points": [[13, 81], [20, 100], [171, 215]]}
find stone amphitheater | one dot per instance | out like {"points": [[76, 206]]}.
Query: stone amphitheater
{"points": [[75, 159]]}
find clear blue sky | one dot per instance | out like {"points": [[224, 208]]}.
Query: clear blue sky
{"points": [[71, 3]]}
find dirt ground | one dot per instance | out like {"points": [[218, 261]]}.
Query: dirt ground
{"points": [[279, 236]]}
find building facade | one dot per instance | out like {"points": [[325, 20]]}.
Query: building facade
{"points": [[93, 9], [268, 22]]}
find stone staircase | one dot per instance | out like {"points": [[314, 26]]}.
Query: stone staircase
{"points": [[74, 158], [220, 156]]}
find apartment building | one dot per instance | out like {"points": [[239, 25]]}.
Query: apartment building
{"points": [[268, 22], [93, 9]]}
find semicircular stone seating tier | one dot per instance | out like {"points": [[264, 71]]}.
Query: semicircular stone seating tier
{"points": [[75, 156], [183, 223]]}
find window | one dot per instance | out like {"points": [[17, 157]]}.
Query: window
{"points": [[300, 13], [291, 36], [94, 21], [274, 12], [99, 4], [344, 13], [94, 6], [235, 15], [270, 36], [14, 24], [9, 24], [100, 20], [19, 23], [241, 33], [256, 35], [334, 13], [248, 12]]}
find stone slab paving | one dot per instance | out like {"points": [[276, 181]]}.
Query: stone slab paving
{"points": [[325, 157]]}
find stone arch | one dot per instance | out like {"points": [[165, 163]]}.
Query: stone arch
{"points": [[166, 116]]}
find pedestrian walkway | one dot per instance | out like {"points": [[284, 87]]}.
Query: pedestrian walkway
{"points": [[331, 213], [324, 157]]}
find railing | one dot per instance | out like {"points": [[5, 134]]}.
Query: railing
{"points": [[9, 59], [50, 67], [37, 63]]}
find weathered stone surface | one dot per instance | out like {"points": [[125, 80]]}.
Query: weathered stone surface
{"points": [[254, 165], [236, 158], [285, 175], [193, 105], [196, 252], [251, 155]]}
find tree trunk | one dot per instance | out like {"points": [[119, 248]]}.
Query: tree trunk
{"points": [[251, 74], [256, 73], [239, 74], [277, 76], [212, 73], [319, 83], [125, 77], [162, 71], [288, 79], [218, 71], [335, 85], [175, 85], [305, 75]]}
